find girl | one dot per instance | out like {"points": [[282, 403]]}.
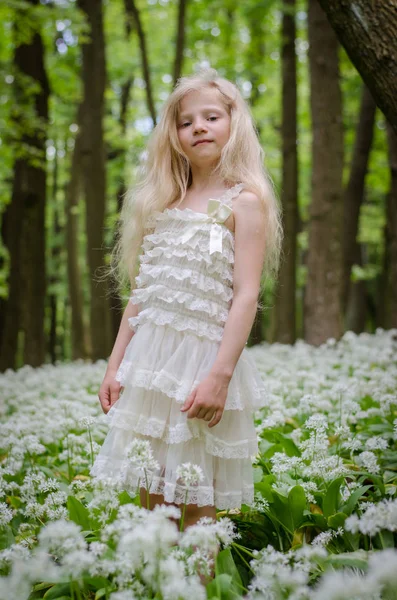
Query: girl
{"points": [[196, 236]]}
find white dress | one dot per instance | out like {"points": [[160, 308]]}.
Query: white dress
{"points": [[185, 290]]}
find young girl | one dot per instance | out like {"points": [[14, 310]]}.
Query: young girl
{"points": [[204, 226]]}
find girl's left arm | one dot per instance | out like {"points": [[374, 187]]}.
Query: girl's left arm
{"points": [[207, 401], [249, 254]]}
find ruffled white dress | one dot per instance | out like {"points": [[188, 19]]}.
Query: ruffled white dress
{"points": [[185, 291]]}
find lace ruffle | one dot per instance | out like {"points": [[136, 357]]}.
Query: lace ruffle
{"points": [[178, 390], [181, 432], [204, 283], [215, 266], [190, 301], [128, 479], [177, 320], [199, 242]]}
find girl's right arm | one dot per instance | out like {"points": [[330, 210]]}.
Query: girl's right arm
{"points": [[110, 389]]}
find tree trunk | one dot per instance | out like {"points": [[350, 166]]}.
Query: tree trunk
{"points": [[323, 295], [79, 338], [54, 266], [367, 30], [285, 305], [180, 40], [23, 222], [94, 174], [356, 309], [132, 9], [391, 235], [354, 193]]}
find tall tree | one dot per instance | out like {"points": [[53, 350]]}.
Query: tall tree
{"points": [[180, 40], [132, 9], [23, 221], [323, 294], [354, 293], [389, 306], [93, 171], [79, 342], [285, 305], [367, 30]]}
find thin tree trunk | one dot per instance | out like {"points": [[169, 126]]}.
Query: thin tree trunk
{"points": [[55, 264], [79, 335], [356, 309], [391, 234], [354, 193], [180, 40], [23, 221], [94, 173], [132, 9], [367, 30], [323, 295], [285, 305]]}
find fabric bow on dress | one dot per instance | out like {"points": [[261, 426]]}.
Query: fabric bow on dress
{"points": [[218, 212]]}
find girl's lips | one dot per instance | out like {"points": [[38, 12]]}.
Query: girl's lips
{"points": [[203, 142]]}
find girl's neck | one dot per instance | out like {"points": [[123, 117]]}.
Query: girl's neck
{"points": [[204, 180]]}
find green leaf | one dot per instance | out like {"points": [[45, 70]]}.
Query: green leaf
{"points": [[297, 505], [332, 497], [78, 513], [356, 559], [354, 498], [57, 591], [265, 490], [337, 520], [6, 537], [221, 588], [226, 564]]}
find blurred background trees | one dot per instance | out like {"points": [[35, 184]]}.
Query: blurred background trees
{"points": [[82, 84]]}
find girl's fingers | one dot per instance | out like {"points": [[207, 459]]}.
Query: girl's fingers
{"points": [[216, 418]]}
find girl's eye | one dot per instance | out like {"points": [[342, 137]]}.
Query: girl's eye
{"points": [[212, 118], [185, 124]]}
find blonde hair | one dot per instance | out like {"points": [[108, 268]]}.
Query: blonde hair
{"points": [[167, 174]]}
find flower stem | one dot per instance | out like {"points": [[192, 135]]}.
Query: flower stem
{"points": [[181, 528]]}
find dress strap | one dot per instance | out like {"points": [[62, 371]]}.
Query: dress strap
{"points": [[231, 193]]}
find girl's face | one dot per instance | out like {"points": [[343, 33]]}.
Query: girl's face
{"points": [[203, 126]]}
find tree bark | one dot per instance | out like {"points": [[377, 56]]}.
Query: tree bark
{"points": [[367, 30], [285, 305], [353, 198], [23, 222], [79, 338], [180, 40], [94, 173], [132, 9], [54, 266], [323, 294], [391, 235]]}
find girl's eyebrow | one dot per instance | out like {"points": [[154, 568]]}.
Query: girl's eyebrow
{"points": [[204, 109]]}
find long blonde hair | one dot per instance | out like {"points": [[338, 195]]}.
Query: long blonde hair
{"points": [[166, 175]]}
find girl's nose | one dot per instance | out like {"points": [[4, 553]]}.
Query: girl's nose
{"points": [[199, 126]]}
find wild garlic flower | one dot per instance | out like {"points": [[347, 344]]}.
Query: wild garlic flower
{"points": [[189, 473]]}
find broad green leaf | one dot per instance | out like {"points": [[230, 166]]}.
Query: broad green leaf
{"points": [[78, 513], [58, 590], [297, 504], [332, 497], [337, 520]]}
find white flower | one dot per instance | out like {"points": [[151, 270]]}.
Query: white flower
{"points": [[139, 453], [189, 473], [6, 514]]}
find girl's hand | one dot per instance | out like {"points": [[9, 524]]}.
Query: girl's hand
{"points": [[109, 391], [208, 400]]}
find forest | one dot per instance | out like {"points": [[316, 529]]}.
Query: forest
{"points": [[82, 85]]}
